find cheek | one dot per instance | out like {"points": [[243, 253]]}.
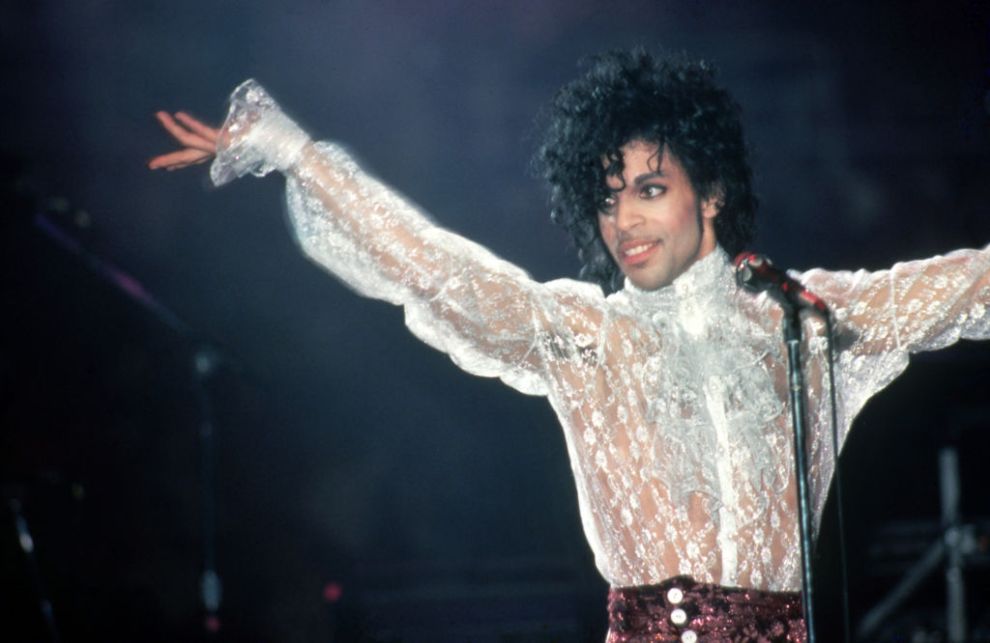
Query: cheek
{"points": [[609, 238], [688, 222], [607, 231]]}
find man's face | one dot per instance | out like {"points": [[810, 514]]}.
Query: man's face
{"points": [[654, 224]]}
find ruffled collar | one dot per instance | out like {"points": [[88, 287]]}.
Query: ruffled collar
{"points": [[696, 301]]}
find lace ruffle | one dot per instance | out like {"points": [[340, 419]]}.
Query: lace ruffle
{"points": [[256, 137]]}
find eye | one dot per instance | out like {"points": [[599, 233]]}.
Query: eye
{"points": [[607, 205], [652, 190]]}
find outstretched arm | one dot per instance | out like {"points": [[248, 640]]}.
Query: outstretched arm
{"points": [[915, 306], [487, 314]]}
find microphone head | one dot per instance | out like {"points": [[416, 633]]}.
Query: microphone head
{"points": [[746, 277]]}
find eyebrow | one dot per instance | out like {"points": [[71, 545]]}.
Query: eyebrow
{"points": [[649, 175]]}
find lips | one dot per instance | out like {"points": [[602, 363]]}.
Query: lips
{"points": [[636, 252]]}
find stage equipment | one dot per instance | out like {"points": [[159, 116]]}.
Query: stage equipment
{"points": [[205, 359], [956, 546]]}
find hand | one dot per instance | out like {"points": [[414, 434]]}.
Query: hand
{"points": [[199, 141]]}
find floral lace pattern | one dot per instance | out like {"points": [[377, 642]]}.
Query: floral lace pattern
{"points": [[672, 402]]}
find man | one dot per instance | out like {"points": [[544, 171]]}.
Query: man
{"points": [[672, 390]]}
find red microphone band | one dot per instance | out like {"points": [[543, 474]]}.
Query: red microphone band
{"points": [[756, 273]]}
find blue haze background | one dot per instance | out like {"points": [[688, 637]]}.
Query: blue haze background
{"points": [[346, 452]]}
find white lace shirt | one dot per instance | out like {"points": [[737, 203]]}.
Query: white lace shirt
{"points": [[673, 402]]}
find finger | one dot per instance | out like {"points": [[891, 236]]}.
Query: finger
{"points": [[183, 135], [198, 127], [178, 165], [182, 165], [180, 158]]}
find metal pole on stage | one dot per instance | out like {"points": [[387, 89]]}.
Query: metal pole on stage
{"points": [[955, 545], [796, 387], [205, 361]]}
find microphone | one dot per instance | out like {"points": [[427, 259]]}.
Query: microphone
{"points": [[756, 273]]}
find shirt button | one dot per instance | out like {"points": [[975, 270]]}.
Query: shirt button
{"points": [[675, 595], [689, 636], [678, 617]]}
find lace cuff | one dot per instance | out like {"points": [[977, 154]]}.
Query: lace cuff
{"points": [[257, 136]]}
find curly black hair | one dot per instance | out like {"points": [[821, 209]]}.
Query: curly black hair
{"points": [[670, 101]]}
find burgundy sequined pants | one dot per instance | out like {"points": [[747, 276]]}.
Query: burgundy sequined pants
{"points": [[682, 610]]}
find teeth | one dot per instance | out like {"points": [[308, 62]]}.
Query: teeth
{"points": [[638, 249]]}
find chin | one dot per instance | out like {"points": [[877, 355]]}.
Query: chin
{"points": [[649, 284]]}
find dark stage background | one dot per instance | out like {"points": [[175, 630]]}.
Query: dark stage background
{"points": [[365, 488]]}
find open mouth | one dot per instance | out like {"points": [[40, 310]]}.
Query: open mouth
{"points": [[638, 253]]}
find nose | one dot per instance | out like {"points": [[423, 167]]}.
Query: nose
{"points": [[627, 215]]}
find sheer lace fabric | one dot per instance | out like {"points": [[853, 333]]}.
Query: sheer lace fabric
{"points": [[672, 402]]}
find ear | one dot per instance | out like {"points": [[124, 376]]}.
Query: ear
{"points": [[713, 204]]}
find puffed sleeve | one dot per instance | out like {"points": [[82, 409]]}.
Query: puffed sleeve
{"points": [[882, 317], [486, 313]]}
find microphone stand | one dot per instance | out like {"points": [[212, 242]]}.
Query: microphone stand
{"points": [[756, 273], [795, 377]]}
